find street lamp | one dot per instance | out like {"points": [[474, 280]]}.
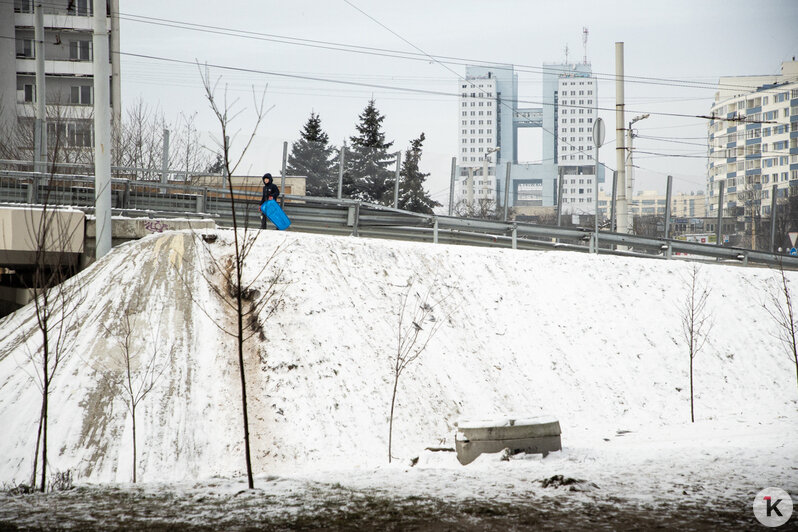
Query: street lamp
{"points": [[630, 182]]}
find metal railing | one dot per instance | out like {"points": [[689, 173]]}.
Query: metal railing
{"points": [[351, 217]]}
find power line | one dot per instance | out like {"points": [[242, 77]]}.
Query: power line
{"points": [[178, 24], [408, 55], [380, 86]]}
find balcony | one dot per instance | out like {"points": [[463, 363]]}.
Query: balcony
{"points": [[71, 22], [62, 68], [67, 112]]}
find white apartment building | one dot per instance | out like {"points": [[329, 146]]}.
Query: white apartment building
{"points": [[752, 142], [68, 54], [478, 136], [575, 110], [488, 125]]}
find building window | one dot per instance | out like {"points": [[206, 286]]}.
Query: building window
{"points": [[25, 48], [79, 135], [23, 6], [29, 93], [82, 8], [80, 50], [80, 95]]}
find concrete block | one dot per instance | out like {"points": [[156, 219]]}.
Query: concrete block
{"points": [[530, 435]]}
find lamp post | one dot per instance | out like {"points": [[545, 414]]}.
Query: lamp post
{"points": [[630, 182], [598, 140]]}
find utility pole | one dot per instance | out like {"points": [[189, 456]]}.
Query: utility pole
{"points": [[613, 221], [620, 148], [396, 180], [116, 84], [282, 173], [506, 189], [630, 180], [164, 159], [718, 229], [451, 185], [102, 131], [773, 209], [341, 157], [40, 126], [470, 187], [598, 140], [559, 196], [668, 207], [485, 169]]}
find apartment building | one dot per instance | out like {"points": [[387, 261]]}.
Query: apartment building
{"points": [[68, 67], [752, 142], [652, 203], [576, 99], [488, 124]]}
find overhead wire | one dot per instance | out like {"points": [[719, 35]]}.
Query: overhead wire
{"points": [[421, 55], [410, 55], [361, 49]]}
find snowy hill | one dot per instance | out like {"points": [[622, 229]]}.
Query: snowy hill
{"points": [[594, 341]]}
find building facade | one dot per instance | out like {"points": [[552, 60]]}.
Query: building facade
{"points": [[575, 112], [652, 203], [488, 125], [68, 67], [479, 129], [752, 142]]}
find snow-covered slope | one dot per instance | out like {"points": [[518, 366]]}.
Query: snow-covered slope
{"points": [[594, 341]]}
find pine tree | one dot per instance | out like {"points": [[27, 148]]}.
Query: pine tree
{"points": [[311, 157], [367, 161], [412, 196]]}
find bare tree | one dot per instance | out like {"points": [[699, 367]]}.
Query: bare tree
{"points": [[137, 364], [413, 337], [756, 234], [139, 143], [68, 137], [55, 302], [696, 323], [484, 209], [780, 308], [246, 302]]}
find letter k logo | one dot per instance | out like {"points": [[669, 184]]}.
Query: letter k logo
{"points": [[773, 507]]}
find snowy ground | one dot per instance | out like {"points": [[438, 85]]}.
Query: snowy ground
{"points": [[593, 341], [685, 477]]}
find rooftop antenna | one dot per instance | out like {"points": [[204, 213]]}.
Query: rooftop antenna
{"points": [[584, 42], [566, 53]]}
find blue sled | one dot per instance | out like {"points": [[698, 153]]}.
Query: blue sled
{"points": [[271, 209]]}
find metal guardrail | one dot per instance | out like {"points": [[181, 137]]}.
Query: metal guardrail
{"points": [[352, 217]]}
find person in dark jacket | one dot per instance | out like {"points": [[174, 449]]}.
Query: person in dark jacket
{"points": [[270, 191]]}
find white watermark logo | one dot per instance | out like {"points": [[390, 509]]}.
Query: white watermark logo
{"points": [[772, 507]]}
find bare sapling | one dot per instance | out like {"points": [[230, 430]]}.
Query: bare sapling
{"points": [[779, 307], [417, 325], [137, 363], [53, 234], [245, 302], [696, 322]]}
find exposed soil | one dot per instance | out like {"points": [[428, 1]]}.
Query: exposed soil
{"points": [[338, 508]]}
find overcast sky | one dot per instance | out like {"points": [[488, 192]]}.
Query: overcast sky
{"points": [[680, 41]]}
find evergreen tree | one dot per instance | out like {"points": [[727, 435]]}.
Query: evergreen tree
{"points": [[311, 157], [367, 161], [216, 166], [412, 196]]}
